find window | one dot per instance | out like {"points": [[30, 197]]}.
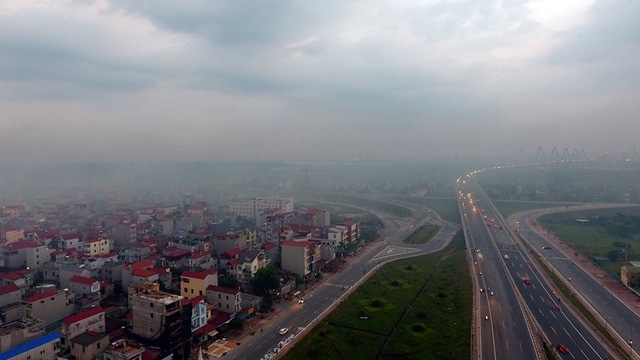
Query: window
{"points": [[151, 315], [186, 290], [151, 304], [192, 291]]}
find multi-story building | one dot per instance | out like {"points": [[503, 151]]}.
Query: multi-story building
{"points": [[74, 325], [198, 311], [96, 246], [12, 234], [246, 265], [124, 233], [193, 284], [150, 311], [49, 306], [226, 299], [37, 254], [14, 211], [17, 330], [299, 257], [250, 207], [353, 229], [42, 348], [70, 241], [111, 271], [81, 285], [9, 294], [14, 254]]}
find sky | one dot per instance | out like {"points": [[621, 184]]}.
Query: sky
{"points": [[122, 81]]}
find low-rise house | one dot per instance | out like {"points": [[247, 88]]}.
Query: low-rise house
{"points": [[199, 260], [193, 284], [89, 344], [17, 330], [246, 265], [111, 271], [81, 285], [96, 246], [226, 299], [49, 306], [124, 349], [74, 325], [21, 278], [9, 294], [198, 311]]}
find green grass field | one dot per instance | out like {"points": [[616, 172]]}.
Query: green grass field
{"points": [[418, 308], [422, 235], [593, 242]]}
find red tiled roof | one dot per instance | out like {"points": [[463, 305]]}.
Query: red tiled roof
{"points": [[83, 280], [40, 296], [199, 274], [83, 315], [177, 254], [141, 264], [143, 272], [70, 236], [295, 243], [223, 289], [269, 245], [20, 244], [8, 289], [233, 261], [14, 275], [231, 253]]}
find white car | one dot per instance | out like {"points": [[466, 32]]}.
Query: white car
{"points": [[283, 331]]}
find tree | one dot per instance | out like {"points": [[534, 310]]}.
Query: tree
{"points": [[265, 280], [229, 282]]}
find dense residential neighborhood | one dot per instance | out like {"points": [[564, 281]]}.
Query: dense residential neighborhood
{"points": [[103, 281]]}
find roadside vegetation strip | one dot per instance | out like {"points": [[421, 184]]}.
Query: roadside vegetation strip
{"points": [[422, 235], [508, 207], [607, 238], [377, 205], [568, 294], [446, 208], [440, 315]]}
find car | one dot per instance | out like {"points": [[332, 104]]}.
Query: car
{"points": [[480, 273], [563, 349], [302, 300], [283, 331], [486, 317], [489, 224], [481, 289], [477, 250], [534, 268], [553, 307], [527, 281], [491, 293], [560, 308]]}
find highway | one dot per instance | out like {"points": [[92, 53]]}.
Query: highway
{"points": [[613, 313], [502, 328], [517, 273]]}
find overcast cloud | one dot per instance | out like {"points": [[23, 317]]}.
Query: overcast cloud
{"points": [[315, 80]]}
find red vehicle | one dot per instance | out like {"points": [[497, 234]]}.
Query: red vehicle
{"points": [[563, 349], [528, 282]]}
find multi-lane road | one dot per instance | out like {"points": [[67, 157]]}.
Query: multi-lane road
{"points": [[521, 293]]}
